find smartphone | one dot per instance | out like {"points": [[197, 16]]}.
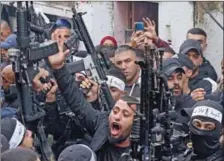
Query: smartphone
{"points": [[139, 26]]}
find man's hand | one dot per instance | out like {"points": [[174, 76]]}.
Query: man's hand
{"points": [[150, 28], [37, 84], [51, 95], [137, 38], [57, 60], [93, 93], [198, 94]]}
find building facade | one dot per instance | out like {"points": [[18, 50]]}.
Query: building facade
{"points": [[173, 20]]}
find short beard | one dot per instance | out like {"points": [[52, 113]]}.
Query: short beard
{"points": [[117, 140]]}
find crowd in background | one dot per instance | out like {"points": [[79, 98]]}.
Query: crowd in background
{"points": [[94, 134]]}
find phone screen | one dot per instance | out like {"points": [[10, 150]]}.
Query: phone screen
{"points": [[139, 26]]}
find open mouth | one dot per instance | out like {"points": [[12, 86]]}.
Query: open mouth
{"points": [[115, 129]]}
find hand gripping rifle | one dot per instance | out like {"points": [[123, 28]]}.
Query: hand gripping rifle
{"points": [[24, 65], [94, 65]]}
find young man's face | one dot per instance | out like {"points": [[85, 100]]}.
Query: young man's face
{"points": [[175, 82], [194, 57], [116, 93], [62, 34], [126, 62], [200, 38], [120, 121]]}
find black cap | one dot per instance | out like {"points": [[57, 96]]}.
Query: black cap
{"points": [[190, 44], [184, 61], [78, 152], [171, 65], [130, 99]]}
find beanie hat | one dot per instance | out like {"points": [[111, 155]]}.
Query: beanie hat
{"points": [[13, 130], [111, 38], [210, 111], [4, 143], [78, 152]]}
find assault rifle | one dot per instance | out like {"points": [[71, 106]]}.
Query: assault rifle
{"points": [[24, 61], [155, 96], [93, 65]]}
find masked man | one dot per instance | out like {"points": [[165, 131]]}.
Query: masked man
{"points": [[205, 129]]}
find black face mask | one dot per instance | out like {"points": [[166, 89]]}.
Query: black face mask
{"points": [[204, 146], [205, 142]]}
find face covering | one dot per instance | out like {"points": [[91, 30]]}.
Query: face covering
{"points": [[204, 146], [205, 142]]}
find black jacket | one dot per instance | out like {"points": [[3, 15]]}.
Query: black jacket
{"points": [[94, 121], [207, 70], [215, 96], [199, 82], [217, 156]]}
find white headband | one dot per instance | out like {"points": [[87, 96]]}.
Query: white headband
{"points": [[115, 82], [17, 135], [207, 111]]}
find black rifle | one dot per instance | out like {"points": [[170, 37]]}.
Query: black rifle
{"points": [[160, 101], [146, 106], [41, 29], [23, 61], [155, 96], [97, 72]]}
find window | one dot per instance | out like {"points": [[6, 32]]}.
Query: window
{"points": [[138, 10]]}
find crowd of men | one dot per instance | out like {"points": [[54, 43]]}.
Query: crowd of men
{"points": [[75, 121]]}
